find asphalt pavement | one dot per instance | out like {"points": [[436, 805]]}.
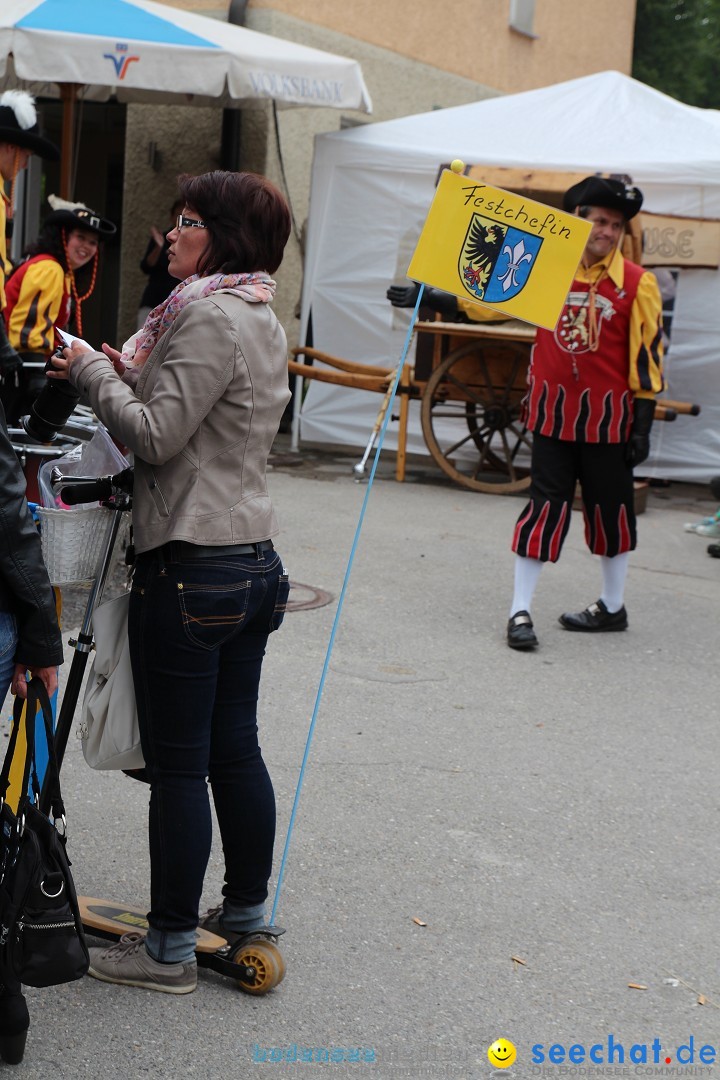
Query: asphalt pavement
{"points": [[488, 845]]}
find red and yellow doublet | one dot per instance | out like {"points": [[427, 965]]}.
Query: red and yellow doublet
{"points": [[38, 300], [4, 265], [581, 395]]}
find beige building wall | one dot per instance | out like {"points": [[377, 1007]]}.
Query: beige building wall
{"points": [[161, 141], [415, 57], [187, 139], [474, 39]]}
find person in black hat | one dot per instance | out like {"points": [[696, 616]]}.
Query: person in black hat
{"points": [[29, 630], [19, 138], [590, 404], [48, 289]]}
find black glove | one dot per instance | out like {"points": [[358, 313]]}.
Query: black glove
{"points": [[406, 296], [10, 363], [403, 295], [638, 445]]}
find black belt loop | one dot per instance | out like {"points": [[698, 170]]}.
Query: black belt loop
{"points": [[161, 557]]}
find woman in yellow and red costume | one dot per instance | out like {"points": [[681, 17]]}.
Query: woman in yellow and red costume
{"points": [[48, 288]]}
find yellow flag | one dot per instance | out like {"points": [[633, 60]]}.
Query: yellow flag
{"points": [[509, 253]]}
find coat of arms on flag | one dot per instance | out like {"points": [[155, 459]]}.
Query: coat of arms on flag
{"points": [[496, 259]]}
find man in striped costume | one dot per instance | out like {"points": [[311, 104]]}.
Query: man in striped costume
{"points": [[590, 404], [19, 138]]}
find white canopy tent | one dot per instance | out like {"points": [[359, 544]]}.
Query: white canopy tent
{"points": [[372, 187]]}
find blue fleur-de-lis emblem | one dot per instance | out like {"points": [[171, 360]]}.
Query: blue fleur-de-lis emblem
{"points": [[496, 259]]}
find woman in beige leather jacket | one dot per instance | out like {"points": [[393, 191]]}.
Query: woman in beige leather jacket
{"points": [[197, 395]]}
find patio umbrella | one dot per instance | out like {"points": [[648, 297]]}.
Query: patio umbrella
{"points": [[142, 51]]}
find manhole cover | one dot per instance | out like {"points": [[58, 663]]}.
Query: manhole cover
{"points": [[285, 460], [304, 597]]}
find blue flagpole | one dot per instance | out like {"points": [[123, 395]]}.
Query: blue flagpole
{"points": [[336, 620]]}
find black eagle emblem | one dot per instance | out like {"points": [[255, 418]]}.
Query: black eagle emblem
{"points": [[480, 253]]}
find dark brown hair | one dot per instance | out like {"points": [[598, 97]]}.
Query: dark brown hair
{"points": [[248, 220]]}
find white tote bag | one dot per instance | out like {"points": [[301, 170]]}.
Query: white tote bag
{"points": [[108, 724]]}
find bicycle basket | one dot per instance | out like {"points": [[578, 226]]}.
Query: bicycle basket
{"points": [[72, 542]]}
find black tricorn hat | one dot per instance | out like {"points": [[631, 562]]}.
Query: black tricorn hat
{"points": [[19, 126], [599, 191], [77, 216]]}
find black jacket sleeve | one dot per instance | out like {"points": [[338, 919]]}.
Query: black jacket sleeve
{"points": [[25, 588]]}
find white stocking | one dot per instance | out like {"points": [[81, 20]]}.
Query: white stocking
{"points": [[614, 572], [527, 572]]}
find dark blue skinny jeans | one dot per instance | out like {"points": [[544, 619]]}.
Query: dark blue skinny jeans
{"points": [[198, 628]]}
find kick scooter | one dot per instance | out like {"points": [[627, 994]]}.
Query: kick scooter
{"points": [[253, 960]]}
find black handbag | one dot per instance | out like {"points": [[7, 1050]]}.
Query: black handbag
{"points": [[41, 936]]}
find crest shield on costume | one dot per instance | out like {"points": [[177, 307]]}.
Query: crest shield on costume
{"points": [[496, 260]]}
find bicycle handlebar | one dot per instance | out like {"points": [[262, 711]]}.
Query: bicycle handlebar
{"points": [[84, 489], [98, 491]]}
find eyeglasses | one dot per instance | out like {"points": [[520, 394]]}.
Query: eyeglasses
{"points": [[189, 223]]}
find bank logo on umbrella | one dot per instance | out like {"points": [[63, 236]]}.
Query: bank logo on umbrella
{"points": [[496, 259], [121, 60]]}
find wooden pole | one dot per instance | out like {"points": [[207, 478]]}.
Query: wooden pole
{"points": [[405, 382], [68, 96]]}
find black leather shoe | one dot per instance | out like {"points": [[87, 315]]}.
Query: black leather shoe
{"points": [[714, 550], [596, 618], [520, 633]]}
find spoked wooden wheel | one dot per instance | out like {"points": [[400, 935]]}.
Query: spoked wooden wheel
{"points": [[267, 961], [471, 417]]}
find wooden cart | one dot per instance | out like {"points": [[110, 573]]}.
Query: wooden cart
{"points": [[474, 378], [470, 379]]}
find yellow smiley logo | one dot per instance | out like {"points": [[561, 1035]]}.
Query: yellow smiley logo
{"points": [[501, 1054]]}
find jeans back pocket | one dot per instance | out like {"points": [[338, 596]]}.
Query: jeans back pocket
{"points": [[212, 613]]}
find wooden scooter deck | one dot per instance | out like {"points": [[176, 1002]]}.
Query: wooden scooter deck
{"points": [[110, 919]]}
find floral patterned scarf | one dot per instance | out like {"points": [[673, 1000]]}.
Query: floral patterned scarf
{"points": [[257, 288]]}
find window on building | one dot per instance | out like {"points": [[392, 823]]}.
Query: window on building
{"points": [[522, 17]]}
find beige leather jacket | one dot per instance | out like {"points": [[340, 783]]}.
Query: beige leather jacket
{"points": [[200, 422]]}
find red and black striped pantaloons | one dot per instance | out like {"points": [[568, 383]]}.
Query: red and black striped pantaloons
{"points": [[607, 495]]}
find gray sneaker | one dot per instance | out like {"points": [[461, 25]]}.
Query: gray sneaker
{"points": [[711, 528], [212, 921], [702, 526], [129, 963]]}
